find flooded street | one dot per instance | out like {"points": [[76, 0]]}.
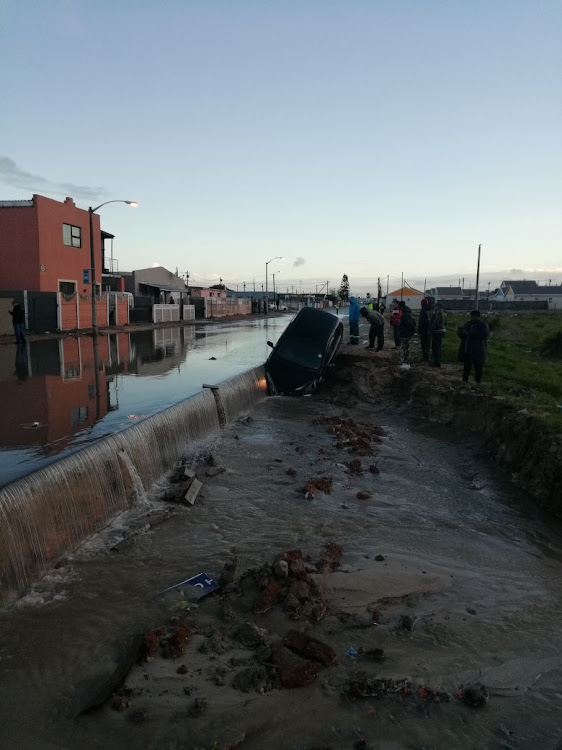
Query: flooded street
{"points": [[54, 404], [467, 591]]}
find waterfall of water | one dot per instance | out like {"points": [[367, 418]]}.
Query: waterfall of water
{"points": [[50, 511]]}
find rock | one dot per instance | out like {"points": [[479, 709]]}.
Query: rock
{"points": [[471, 611], [292, 671], [291, 603], [150, 644], [297, 568], [309, 648], [476, 695], [193, 490], [363, 495], [355, 466], [281, 569], [246, 420], [380, 558], [182, 669], [268, 597], [293, 554], [199, 706], [291, 472], [300, 590], [121, 703], [214, 471], [250, 635], [231, 572], [408, 622], [252, 678], [318, 611], [180, 636], [374, 469], [226, 613], [215, 643], [331, 556]]}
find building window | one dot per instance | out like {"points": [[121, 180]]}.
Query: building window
{"points": [[72, 235], [67, 287]]}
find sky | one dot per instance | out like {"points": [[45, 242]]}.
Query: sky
{"points": [[366, 137]]}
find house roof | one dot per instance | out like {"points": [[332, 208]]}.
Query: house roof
{"points": [[405, 291], [550, 289], [521, 286], [448, 291]]}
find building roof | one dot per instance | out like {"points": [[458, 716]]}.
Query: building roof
{"points": [[9, 204], [405, 291], [522, 286], [448, 291], [550, 289]]}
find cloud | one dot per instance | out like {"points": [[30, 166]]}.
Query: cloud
{"points": [[13, 175], [299, 262]]}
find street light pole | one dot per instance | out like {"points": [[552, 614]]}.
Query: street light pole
{"points": [[277, 257], [91, 212]]}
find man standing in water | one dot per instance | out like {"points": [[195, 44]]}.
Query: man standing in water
{"points": [[354, 315], [473, 349], [376, 331]]}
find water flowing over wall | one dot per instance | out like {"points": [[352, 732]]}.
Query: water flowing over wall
{"points": [[49, 512]]}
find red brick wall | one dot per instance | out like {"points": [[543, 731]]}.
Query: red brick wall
{"points": [[62, 262], [69, 319], [19, 248], [122, 311]]}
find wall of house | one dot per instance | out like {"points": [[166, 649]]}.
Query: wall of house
{"points": [[62, 262], [19, 240], [158, 276], [76, 311]]}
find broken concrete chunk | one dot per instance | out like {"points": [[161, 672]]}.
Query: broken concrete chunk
{"points": [[214, 471], [191, 494], [309, 648]]}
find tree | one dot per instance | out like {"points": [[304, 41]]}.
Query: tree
{"points": [[343, 292]]}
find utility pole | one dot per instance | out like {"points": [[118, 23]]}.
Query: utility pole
{"points": [[402, 287], [187, 281], [378, 292], [244, 287], [387, 282], [478, 275], [254, 285]]}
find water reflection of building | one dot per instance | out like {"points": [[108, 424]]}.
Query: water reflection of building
{"points": [[158, 351], [50, 390]]}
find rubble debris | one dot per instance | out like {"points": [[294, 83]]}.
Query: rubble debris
{"points": [[380, 558], [330, 559], [180, 637], [322, 484], [182, 669], [214, 471], [408, 622], [281, 569], [253, 678], [476, 695], [250, 635], [121, 703], [355, 466], [309, 648], [194, 588], [374, 469], [363, 495], [291, 671], [231, 572], [199, 706], [268, 597], [356, 437], [291, 472], [375, 654], [245, 420], [150, 644], [192, 491]]}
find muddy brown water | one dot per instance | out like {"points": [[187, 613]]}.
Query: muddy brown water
{"points": [[465, 553]]}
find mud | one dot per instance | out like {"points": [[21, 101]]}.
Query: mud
{"points": [[424, 616]]}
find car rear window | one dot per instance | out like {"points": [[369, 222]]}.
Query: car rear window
{"points": [[301, 352]]}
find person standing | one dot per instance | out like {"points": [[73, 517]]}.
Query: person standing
{"points": [[395, 315], [354, 315], [474, 345], [437, 329], [18, 321], [407, 329], [423, 327], [376, 331]]}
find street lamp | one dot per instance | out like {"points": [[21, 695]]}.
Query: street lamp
{"points": [[274, 274], [277, 257], [92, 211]]}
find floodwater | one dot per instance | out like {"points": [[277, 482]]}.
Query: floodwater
{"points": [[465, 553], [53, 403]]}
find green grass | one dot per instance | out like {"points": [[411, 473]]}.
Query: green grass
{"points": [[517, 368]]}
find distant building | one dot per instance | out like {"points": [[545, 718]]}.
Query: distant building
{"points": [[530, 291], [447, 293], [412, 297], [158, 283]]}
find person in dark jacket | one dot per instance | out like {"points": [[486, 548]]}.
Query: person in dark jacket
{"points": [[437, 330], [395, 315], [407, 329], [423, 327], [354, 316], [18, 321], [376, 331], [473, 348]]}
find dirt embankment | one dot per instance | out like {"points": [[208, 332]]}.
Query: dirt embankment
{"points": [[517, 441]]}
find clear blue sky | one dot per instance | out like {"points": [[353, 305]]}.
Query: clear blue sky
{"points": [[366, 137]]}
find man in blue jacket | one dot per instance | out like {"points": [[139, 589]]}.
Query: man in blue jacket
{"points": [[354, 315]]}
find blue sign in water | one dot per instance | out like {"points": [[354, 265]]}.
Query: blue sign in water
{"points": [[86, 276], [196, 587]]}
